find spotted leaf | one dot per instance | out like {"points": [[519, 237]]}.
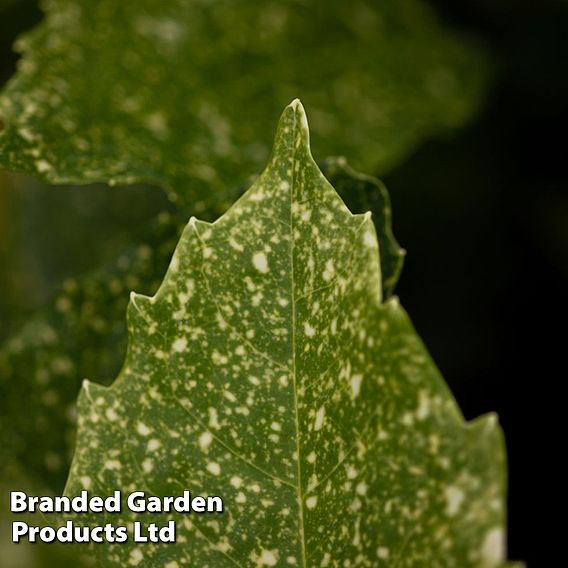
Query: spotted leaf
{"points": [[82, 332], [267, 369], [154, 91]]}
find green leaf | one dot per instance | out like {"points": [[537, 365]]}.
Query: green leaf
{"points": [[365, 193], [82, 333], [154, 91], [25, 554], [268, 370]]}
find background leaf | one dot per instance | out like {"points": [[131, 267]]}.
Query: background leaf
{"points": [[267, 369], [128, 92], [81, 333], [48, 236], [363, 193]]}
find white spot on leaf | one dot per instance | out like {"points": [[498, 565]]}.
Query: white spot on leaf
{"points": [[260, 262], [320, 416]]}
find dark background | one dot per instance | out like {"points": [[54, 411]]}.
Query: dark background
{"points": [[484, 217]]}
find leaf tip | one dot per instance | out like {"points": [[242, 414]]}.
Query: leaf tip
{"points": [[296, 103], [488, 422], [293, 129], [86, 388], [138, 304], [300, 115]]}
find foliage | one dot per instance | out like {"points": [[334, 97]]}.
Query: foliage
{"points": [[273, 366], [82, 333], [125, 92], [267, 369]]}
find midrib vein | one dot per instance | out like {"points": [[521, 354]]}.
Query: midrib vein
{"points": [[294, 382]]}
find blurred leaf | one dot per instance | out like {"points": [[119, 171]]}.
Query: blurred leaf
{"points": [[47, 236], [179, 93], [365, 193], [268, 370], [16, 16], [80, 333]]}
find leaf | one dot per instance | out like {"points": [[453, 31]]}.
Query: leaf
{"points": [[154, 92], [365, 193], [82, 333], [24, 554], [47, 236], [267, 370]]}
